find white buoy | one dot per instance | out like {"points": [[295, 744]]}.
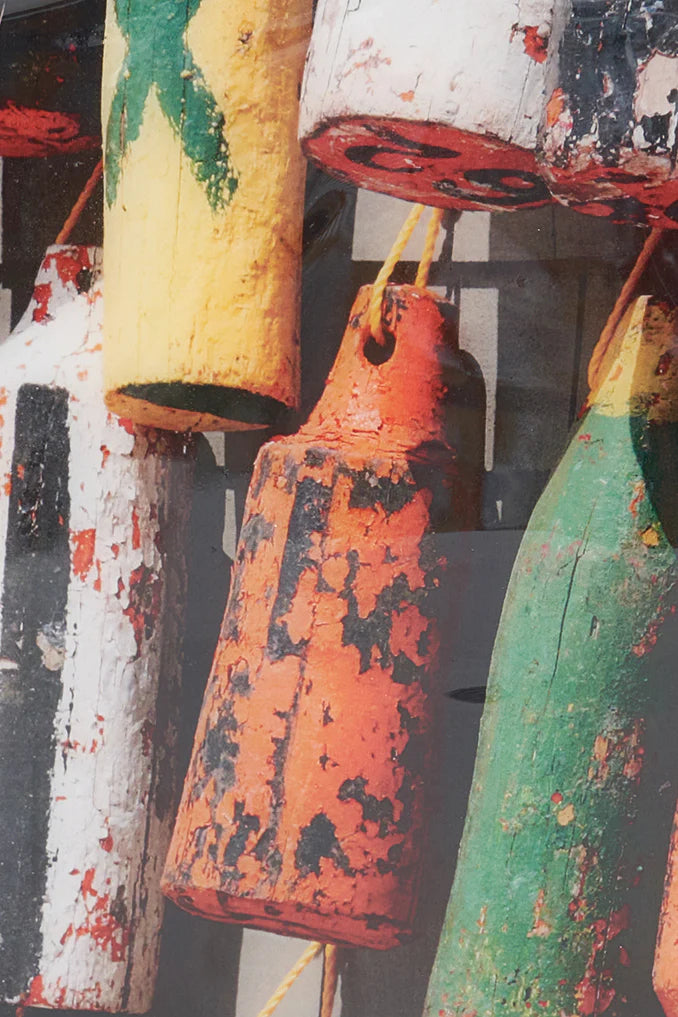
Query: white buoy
{"points": [[436, 101], [93, 513]]}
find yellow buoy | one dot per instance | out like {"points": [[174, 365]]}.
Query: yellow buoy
{"points": [[203, 211]]}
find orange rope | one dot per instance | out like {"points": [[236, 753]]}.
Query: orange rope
{"points": [[606, 336], [76, 211]]}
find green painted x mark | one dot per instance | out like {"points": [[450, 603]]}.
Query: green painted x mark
{"points": [[158, 57]]}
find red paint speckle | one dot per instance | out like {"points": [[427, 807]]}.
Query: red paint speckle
{"points": [[136, 530], [106, 842], [126, 424], [535, 44], [584, 437], [42, 294], [556, 798], [82, 551]]}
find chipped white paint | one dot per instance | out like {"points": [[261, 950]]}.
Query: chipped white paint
{"points": [[112, 782], [476, 69]]}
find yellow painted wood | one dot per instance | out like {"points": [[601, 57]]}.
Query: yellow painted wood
{"points": [[203, 261]]}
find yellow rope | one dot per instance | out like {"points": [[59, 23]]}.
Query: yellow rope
{"points": [[429, 248], [307, 956], [612, 323], [330, 979], [386, 269]]}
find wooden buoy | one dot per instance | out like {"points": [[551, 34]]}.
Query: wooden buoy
{"points": [[384, 106], [203, 213], [608, 141], [303, 809], [552, 876], [92, 580], [665, 973]]}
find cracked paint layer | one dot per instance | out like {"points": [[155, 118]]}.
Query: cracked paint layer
{"points": [[317, 723], [92, 580], [609, 141], [551, 907]]}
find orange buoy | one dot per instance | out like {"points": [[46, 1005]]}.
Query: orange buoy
{"points": [[303, 811]]}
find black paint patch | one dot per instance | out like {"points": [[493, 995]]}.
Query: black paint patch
{"points": [[405, 671], [35, 588], [217, 755], [374, 631], [309, 516], [245, 824], [603, 47], [369, 490], [392, 862], [256, 529], [375, 810], [319, 840]]}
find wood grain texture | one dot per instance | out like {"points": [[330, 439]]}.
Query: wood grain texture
{"points": [[556, 863], [608, 139], [92, 518], [304, 806], [439, 102], [204, 204]]}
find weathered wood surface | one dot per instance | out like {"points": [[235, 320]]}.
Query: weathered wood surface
{"points": [[204, 206], [304, 808], [92, 519], [555, 866], [609, 139], [437, 102]]}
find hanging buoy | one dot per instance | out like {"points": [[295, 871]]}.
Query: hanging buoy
{"points": [[303, 809], [203, 211], [93, 515], [609, 136], [555, 869], [382, 108]]}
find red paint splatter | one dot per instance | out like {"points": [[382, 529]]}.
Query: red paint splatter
{"points": [[144, 603], [96, 585], [126, 424], [638, 496], [147, 733], [69, 263], [556, 798], [649, 638], [115, 548], [535, 44], [595, 992], [42, 294], [82, 551], [106, 842], [136, 530], [101, 925], [105, 453]]}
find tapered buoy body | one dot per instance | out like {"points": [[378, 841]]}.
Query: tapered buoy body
{"points": [[437, 102], [303, 809], [93, 514], [608, 139], [554, 872], [203, 214]]}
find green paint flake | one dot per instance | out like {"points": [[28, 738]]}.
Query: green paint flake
{"points": [[158, 57]]}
